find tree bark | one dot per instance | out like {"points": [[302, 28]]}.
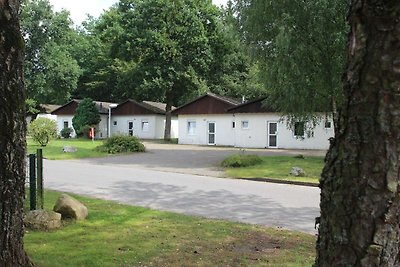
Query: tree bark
{"points": [[12, 138], [167, 130], [360, 200]]}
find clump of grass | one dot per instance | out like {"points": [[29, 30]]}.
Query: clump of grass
{"points": [[239, 160], [121, 144]]}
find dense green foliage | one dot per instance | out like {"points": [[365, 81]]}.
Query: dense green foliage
{"points": [[42, 130], [121, 144], [51, 72], [241, 160], [86, 116], [301, 48], [66, 132]]}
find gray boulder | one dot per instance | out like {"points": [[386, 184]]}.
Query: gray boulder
{"points": [[42, 220], [70, 208], [69, 149], [297, 172]]}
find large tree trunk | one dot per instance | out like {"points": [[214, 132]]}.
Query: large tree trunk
{"points": [[167, 131], [12, 138], [360, 200]]}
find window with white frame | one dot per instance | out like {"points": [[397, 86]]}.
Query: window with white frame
{"points": [[191, 127], [233, 124], [145, 126], [299, 129], [115, 123], [65, 124], [245, 124], [328, 125]]}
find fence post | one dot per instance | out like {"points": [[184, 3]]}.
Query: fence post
{"points": [[39, 159], [32, 181]]}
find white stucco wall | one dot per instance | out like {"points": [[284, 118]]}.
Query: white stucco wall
{"points": [[100, 132], [155, 125], [60, 123], [224, 133], [47, 116], [174, 127], [256, 136]]}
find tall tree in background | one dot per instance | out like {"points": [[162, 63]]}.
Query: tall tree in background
{"points": [[360, 200], [12, 137], [301, 45], [232, 72], [51, 70], [168, 42]]}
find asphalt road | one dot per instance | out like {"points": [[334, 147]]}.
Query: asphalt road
{"points": [[189, 159], [275, 205]]}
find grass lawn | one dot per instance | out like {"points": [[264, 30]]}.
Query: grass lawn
{"points": [[279, 167], [120, 235], [53, 150]]}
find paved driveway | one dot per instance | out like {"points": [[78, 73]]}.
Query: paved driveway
{"points": [[276, 205], [190, 159]]}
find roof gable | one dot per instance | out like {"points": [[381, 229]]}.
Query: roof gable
{"points": [[253, 106], [70, 107], [132, 107], [67, 109], [208, 103]]}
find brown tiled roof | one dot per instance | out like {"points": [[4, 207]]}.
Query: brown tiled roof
{"points": [[252, 106], [48, 108], [223, 101], [157, 105], [101, 106]]}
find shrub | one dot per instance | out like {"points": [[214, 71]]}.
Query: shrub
{"points": [[42, 130], [86, 114], [121, 144], [241, 161], [85, 131], [66, 132]]}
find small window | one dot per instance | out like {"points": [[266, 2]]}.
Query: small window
{"points": [[245, 125], [115, 123], [233, 124], [191, 127], [299, 129], [66, 124], [145, 126], [328, 125]]}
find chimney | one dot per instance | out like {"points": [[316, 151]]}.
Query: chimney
{"points": [[243, 99]]}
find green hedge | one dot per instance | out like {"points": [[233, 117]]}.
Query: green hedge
{"points": [[121, 144], [239, 160]]}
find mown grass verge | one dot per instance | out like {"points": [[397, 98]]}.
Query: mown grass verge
{"points": [[54, 149], [121, 235], [278, 167]]}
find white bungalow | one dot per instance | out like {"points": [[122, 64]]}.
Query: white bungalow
{"points": [[205, 121], [145, 120], [215, 120], [66, 112], [257, 126]]}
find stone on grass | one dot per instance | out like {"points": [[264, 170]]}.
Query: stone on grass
{"points": [[42, 220], [70, 208], [69, 149], [297, 172]]}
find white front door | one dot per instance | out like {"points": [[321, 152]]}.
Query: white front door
{"points": [[272, 134], [211, 133], [130, 128]]}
